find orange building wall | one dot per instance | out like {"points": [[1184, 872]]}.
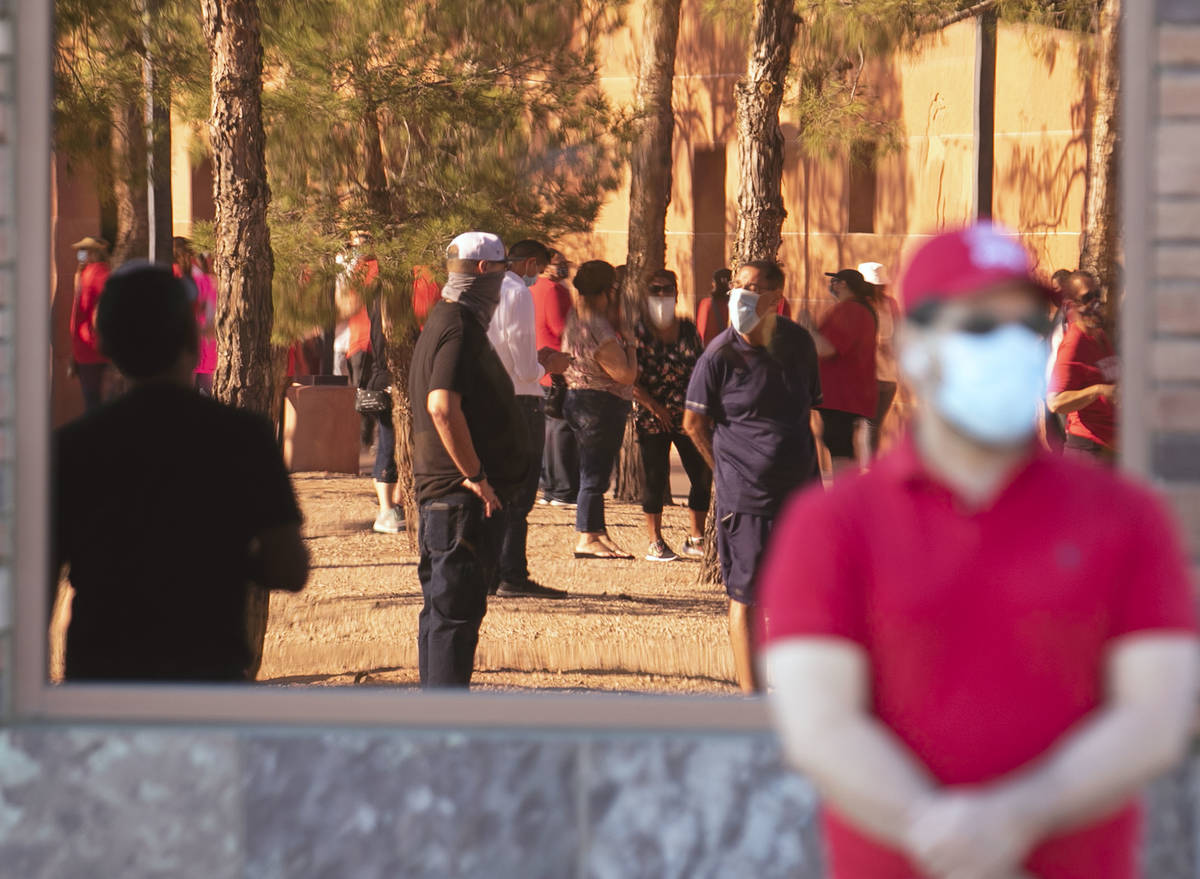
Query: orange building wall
{"points": [[1040, 155]]}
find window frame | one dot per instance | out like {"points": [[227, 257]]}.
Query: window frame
{"points": [[33, 699]]}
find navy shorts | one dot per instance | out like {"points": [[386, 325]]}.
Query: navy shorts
{"points": [[741, 540], [838, 432]]}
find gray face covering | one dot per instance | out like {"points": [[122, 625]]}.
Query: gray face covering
{"points": [[479, 294]]}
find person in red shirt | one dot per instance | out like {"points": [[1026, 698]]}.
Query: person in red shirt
{"points": [[1084, 382], [425, 293], [975, 664], [88, 363], [846, 341], [712, 314], [560, 459]]}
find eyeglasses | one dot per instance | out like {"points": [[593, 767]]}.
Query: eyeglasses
{"points": [[981, 324], [662, 288]]}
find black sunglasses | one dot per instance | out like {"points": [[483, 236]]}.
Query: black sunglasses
{"points": [[662, 288], [982, 324]]}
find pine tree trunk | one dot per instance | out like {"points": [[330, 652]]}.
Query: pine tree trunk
{"points": [[128, 148], [649, 192], [399, 360], [760, 139], [759, 95], [1099, 247], [242, 256]]}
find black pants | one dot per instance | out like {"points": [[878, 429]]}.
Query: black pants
{"points": [[459, 546], [560, 462], [514, 566], [656, 461]]}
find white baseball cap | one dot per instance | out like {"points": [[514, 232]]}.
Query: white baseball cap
{"points": [[874, 273], [477, 246]]}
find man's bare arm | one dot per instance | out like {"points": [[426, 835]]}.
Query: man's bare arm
{"points": [[1066, 402], [1140, 732], [445, 408], [699, 429], [820, 697]]}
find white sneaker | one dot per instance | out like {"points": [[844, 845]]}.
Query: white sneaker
{"points": [[693, 548], [389, 522], [660, 552]]}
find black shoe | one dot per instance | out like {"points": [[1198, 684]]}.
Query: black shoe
{"points": [[529, 589]]}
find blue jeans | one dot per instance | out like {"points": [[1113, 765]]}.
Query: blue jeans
{"points": [[385, 450], [597, 419], [514, 567], [458, 562]]}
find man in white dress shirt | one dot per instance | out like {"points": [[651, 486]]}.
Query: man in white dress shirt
{"points": [[513, 335]]}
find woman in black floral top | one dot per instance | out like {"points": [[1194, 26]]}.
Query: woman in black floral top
{"points": [[667, 351]]}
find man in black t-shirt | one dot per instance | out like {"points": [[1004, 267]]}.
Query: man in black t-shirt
{"points": [[167, 505], [470, 455]]}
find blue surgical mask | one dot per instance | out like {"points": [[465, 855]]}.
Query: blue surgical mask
{"points": [[992, 383], [529, 280], [743, 310]]}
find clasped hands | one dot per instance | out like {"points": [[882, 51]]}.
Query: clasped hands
{"points": [[965, 834]]}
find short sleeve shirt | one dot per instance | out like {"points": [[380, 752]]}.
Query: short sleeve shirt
{"points": [[157, 498], [663, 371], [1082, 361], [759, 400], [986, 631], [582, 338], [848, 377], [453, 354]]}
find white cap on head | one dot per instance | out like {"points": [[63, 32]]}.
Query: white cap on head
{"points": [[874, 273], [477, 246]]}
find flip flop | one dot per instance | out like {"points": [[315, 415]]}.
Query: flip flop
{"points": [[601, 555]]}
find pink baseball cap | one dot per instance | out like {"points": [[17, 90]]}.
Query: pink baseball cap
{"points": [[962, 262]]}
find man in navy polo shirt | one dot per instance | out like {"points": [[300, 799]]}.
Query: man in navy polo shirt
{"points": [[748, 406]]}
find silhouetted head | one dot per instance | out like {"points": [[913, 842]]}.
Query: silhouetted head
{"points": [[146, 324]]}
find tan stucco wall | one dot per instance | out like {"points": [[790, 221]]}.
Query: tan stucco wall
{"points": [[1040, 152]]}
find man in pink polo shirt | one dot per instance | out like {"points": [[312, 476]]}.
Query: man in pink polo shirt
{"points": [[979, 652]]}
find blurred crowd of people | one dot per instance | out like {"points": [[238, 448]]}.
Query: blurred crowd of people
{"points": [[533, 407]]}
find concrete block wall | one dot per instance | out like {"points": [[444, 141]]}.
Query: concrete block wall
{"points": [[259, 801]]}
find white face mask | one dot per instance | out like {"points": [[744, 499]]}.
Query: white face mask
{"points": [[661, 310], [991, 383], [81, 255], [743, 310]]}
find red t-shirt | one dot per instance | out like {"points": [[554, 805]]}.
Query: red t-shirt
{"points": [[986, 631], [711, 318], [84, 344], [848, 377], [551, 305], [1084, 361], [425, 293]]}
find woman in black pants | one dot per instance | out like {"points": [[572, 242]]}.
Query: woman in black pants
{"points": [[668, 348]]}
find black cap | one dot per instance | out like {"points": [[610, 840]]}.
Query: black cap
{"points": [[852, 277]]}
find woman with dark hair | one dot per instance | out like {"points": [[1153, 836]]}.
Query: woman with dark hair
{"points": [[668, 348], [599, 394], [712, 315], [845, 341]]}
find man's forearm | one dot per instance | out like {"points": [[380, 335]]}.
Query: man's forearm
{"points": [[701, 436], [1066, 402], [456, 437], [856, 761]]}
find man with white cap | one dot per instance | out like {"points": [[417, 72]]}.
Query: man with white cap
{"points": [[887, 375], [977, 687], [470, 455], [86, 360]]}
